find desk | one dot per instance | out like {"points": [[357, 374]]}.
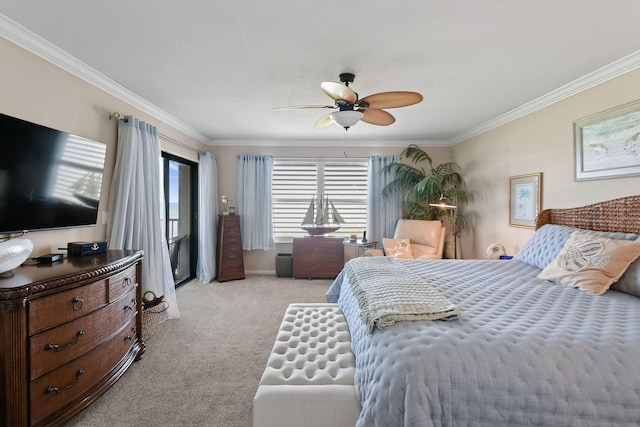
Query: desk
{"points": [[359, 244]]}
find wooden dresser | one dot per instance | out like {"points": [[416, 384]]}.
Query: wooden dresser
{"points": [[68, 330], [317, 257], [230, 263]]}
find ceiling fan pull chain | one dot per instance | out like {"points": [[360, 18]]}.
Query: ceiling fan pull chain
{"points": [[345, 143]]}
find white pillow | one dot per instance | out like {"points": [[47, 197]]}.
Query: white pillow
{"points": [[591, 263], [548, 240]]}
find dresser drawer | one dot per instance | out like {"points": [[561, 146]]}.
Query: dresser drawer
{"points": [[232, 268], [231, 221], [58, 388], [53, 310], [57, 346], [231, 233], [121, 283], [232, 254], [232, 243]]}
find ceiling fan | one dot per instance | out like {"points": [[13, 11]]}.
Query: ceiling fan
{"points": [[350, 109]]}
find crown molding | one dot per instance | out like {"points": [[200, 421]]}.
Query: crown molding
{"points": [[326, 143], [601, 75], [29, 41]]}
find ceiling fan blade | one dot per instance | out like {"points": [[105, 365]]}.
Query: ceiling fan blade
{"points": [[391, 99], [324, 121], [300, 107], [377, 117], [339, 92]]}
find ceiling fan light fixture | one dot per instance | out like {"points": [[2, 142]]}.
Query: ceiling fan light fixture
{"points": [[346, 118], [352, 109]]}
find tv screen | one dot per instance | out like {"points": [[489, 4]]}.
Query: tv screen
{"points": [[48, 178]]}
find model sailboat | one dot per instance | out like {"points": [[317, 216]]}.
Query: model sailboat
{"points": [[323, 218]]}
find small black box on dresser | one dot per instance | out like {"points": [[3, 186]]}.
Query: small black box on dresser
{"points": [[86, 248]]}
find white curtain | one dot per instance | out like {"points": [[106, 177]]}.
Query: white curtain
{"points": [[382, 215], [254, 201], [207, 217], [136, 207]]}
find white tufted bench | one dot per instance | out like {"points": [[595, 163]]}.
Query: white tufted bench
{"points": [[308, 380]]}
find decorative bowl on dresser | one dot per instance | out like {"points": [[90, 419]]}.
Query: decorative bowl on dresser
{"points": [[69, 330]]}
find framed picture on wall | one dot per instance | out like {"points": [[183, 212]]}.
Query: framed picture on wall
{"points": [[607, 144], [525, 199]]}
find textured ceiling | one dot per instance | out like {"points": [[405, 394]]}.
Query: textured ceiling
{"points": [[220, 67]]}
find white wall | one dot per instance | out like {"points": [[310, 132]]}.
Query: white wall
{"points": [[32, 89], [37, 91], [542, 141], [226, 157]]}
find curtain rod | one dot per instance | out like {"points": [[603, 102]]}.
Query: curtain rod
{"points": [[318, 159], [117, 116]]}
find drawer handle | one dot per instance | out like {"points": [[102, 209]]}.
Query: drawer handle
{"points": [[56, 390], [52, 346], [126, 282], [77, 303], [132, 336], [131, 306]]}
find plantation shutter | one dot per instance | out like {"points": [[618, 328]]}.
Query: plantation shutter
{"points": [[297, 181]]}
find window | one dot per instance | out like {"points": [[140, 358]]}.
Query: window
{"points": [[180, 181], [297, 181]]}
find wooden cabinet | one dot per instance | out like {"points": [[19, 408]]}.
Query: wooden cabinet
{"points": [[68, 330], [317, 257], [230, 263]]}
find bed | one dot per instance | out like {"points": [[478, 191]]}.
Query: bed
{"points": [[522, 350]]}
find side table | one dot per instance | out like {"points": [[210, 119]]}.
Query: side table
{"points": [[358, 244]]}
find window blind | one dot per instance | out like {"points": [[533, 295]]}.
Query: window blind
{"points": [[297, 181]]}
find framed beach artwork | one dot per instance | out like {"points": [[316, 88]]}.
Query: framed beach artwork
{"points": [[525, 199], [607, 144]]}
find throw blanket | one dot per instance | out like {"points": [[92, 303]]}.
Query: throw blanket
{"points": [[388, 292]]}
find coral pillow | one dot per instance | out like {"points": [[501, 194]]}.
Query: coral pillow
{"points": [[591, 263], [397, 248]]}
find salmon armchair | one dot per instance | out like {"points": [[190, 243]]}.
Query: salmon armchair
{"points": [[415, 239]]}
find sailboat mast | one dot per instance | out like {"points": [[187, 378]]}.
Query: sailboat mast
{"points": [[320, 211]]}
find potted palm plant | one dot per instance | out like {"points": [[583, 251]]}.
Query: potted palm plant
{"points": [[421, 188]]}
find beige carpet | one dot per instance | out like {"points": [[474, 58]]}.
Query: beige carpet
{"points": [[203, 369]]}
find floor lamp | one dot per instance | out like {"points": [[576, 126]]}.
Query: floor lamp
{"points": [[444, 203]]}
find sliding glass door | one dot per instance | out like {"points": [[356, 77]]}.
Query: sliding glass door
{"points": [[180, 189]]}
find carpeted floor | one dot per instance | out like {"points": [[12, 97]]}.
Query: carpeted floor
{"points": [[203, 369]]}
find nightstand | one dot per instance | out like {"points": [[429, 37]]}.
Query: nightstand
{"points": [[360, 244]]}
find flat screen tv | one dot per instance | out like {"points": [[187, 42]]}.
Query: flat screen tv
{"points": [[48, 179]]}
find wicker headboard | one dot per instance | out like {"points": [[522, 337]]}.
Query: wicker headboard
{"points": [[621, 214]]}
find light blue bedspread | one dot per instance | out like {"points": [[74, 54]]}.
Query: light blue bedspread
{"points": [[524, 352]]}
